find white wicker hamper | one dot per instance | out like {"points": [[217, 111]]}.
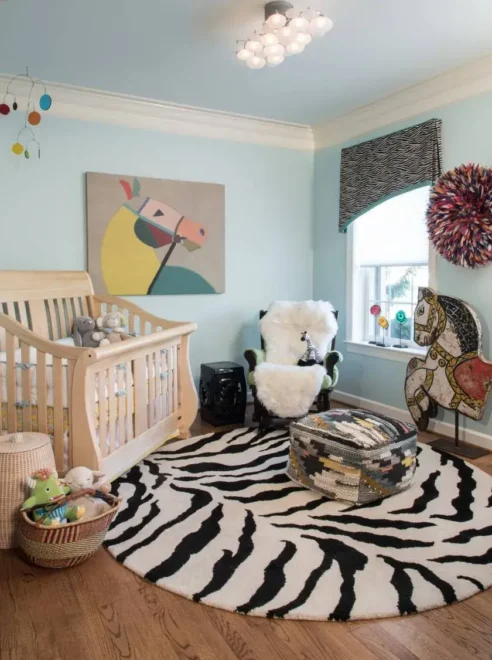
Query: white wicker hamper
{"points": [[21, 454]]}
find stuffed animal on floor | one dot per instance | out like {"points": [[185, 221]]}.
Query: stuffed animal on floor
{"points": [[312, 355], [83, 331], [111, 329], [81, 478], [46, 491]]}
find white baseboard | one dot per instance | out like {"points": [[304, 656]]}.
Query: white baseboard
{"points": [[435, 426]]}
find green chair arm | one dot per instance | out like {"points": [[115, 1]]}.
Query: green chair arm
{"points": [[254, 357], [332, 358]]}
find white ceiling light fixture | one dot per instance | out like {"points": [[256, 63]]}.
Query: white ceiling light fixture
{"points": [[284, 32]]}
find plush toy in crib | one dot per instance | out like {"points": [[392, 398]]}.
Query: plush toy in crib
{"points": [[46, 491], [111, 329], [312, 355], [84, 329], [81, 478]]}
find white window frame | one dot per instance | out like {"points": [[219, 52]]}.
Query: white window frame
{"points": [[362, 347]]}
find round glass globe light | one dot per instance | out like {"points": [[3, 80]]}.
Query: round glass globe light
{"points": [[275, 60], [276, 20], [294, 48], [299, 24], [244, 54], [269, 39], [303, 38], [320, 24], [256, 62], [286, 35], [254, 45], [277, 49]]}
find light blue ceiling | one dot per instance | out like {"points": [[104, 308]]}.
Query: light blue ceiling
{"points": [[182, 51]]}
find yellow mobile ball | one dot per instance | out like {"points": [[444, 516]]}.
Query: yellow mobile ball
{"points": [[17, 148]]}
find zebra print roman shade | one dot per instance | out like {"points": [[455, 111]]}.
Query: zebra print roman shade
{"points": [[376, 169]]}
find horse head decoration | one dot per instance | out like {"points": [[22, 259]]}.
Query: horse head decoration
{"points": [[142, 225], [454, 373]]}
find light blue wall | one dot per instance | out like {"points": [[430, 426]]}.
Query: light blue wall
{"points": [[268, 217], [467, 137]]}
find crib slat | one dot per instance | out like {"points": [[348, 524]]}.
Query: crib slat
{"points": [[11, 385], [122, 403], [26, 387], [68, 314], [158, 381], [23, 313], [140, 394], [38, 316], [52, 320], [112, 409], [41, 392], [131, 322], [175, 378], [150, 388], [178, 376], [169, 391], [129, 402], [70, 371], [11, 313], [58, 412], [102, 401]]}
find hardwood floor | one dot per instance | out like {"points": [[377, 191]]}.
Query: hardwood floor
{"points": [[101, 611]]}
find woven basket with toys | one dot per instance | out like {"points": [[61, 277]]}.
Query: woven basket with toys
{"points": [[64, 521]]}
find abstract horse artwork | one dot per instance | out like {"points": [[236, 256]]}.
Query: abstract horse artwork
{"points": [[136, 248], [454, 373]]}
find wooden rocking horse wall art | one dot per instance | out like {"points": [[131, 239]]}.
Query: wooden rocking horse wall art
{"points": [[454, 373]]}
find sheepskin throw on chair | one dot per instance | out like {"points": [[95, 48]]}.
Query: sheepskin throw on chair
{"points": [[284, 388]]}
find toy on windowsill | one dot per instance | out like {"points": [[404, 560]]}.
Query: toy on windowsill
{"points": [[384, 324], [312, 355], [81, 479], [47, 502], [111, 329], [376, 311], [401, 319]]}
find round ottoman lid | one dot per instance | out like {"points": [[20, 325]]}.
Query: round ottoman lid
{"points": [[359, 429], [15, 443]]}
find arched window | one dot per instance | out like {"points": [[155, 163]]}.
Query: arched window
{"points": [[388, 261]]}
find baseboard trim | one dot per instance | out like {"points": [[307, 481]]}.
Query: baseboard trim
{"points": [[435, 426]]}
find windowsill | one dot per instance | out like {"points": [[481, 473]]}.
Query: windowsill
{"points": [[387, 353]]}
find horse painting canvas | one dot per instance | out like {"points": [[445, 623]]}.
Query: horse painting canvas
{"points": [[154, 237], [454, 374]]}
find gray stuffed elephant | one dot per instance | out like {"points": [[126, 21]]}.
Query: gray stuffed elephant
{"points": [[83, 329]]}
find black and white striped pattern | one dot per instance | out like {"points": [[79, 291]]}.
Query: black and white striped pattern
{"points": [[216, 519], [374, 170]]}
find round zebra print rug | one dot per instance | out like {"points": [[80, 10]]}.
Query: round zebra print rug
{"points": [[215, 519]]}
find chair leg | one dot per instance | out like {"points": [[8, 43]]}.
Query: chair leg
{"points": [[324, 403]]}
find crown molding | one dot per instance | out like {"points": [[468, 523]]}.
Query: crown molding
{"points": [[136, 112], [451, 87], [86, 104]]}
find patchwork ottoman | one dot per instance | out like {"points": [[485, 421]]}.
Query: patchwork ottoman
{"points": [[352, 455]]}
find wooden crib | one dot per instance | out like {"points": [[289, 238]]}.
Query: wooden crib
{"points": [[105, 407]]}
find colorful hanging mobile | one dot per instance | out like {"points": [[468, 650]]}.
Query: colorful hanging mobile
{"points": [[401, 319], [459, 216], [26, 142], [375, 311], [384, 324]]}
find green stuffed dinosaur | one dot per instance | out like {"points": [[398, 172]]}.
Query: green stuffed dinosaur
{"points": [[47, 489]]}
